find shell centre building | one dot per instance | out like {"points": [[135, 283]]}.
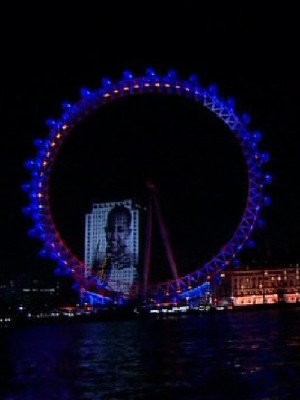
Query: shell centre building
{"points": [[112, 244]]}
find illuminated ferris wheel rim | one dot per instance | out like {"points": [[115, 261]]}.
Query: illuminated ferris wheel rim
{"points": [[39, 208]]}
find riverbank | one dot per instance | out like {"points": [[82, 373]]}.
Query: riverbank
{"points": [[130, 312]]}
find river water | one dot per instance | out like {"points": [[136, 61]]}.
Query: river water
{"points": [[224, 355]]}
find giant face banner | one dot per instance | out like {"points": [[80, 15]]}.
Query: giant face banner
{"points": [[111, 245]]}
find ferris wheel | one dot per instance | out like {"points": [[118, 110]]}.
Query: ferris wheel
{"points": [[44, 227]]}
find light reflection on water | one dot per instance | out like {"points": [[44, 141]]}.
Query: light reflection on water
{"points": [[242, 355]]}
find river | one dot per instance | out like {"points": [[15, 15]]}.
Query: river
{"points": [[223, 355]]}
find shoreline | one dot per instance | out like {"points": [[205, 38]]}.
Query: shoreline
{"points": [[128, 313]]}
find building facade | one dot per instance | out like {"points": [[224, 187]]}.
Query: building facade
{"points": [[112, 244], [269, 285]]}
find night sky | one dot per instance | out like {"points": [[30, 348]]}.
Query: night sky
{"points": [[250, 53]]}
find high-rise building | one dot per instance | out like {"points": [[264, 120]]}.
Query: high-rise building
{"points": [[112, 244]]}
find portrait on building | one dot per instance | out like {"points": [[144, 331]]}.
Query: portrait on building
{"points": [[111, 245]]}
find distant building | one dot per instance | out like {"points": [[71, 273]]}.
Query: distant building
{"points": [[27, 293], [111, 250], [269, 285]]}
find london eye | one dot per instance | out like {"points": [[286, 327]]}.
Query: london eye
{"points": [[38, 189]]}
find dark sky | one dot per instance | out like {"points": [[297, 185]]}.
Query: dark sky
{"points": [[250, 52]]}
